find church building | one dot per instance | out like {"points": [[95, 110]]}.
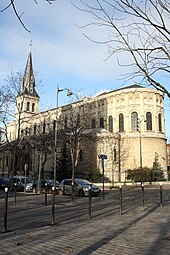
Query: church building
{"points": [[127, 125]]}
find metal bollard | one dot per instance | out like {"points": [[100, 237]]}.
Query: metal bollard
{"points": [[120, 196], [90, 200], [15, 190], [45, 193], [161, 202], [143, 198], [6, 209], [53, 207]]}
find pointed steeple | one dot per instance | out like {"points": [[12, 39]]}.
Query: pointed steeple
{"points": [[27, 100], [28, 81]]}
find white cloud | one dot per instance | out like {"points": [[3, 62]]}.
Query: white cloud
{"points": [[58, 44], [60, 51]]}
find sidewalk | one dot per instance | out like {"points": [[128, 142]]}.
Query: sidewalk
{"points": [[136, 232]]}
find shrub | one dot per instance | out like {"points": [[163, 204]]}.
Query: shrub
{"points": [[145, 175]]}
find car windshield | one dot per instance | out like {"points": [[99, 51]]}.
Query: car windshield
{"points": [[3, 179], [23, 180], [82, 182]]}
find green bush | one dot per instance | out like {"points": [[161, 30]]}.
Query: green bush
{"points": [[94, 175], [145, 175]]}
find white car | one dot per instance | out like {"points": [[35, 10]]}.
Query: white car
{"points": [[81, 187]]}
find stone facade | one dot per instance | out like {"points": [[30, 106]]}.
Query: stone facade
{"points": [[126, 124]]}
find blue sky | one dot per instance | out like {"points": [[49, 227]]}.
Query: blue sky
{"points": [[61, 53]]}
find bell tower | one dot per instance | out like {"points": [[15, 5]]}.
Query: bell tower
{"points": [[27, 100]]}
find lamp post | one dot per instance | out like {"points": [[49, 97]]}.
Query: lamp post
{"points": [[119, 138], [140, 146], [25, 175], [69, 93]]}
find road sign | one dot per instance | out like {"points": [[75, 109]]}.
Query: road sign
{"points": [[102, 156]]}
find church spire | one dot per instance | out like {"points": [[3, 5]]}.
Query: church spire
{"points": [[28, 81], [27, 100]]}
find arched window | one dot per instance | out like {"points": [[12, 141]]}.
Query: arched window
{"points": [[78, 120], [35, 129], [33, 107], [81, 155], [114, 154], [7, 161], [159, 122], [28, 106], [93, 123], [148, 121], [121, 122], [134, 120], [65, 122], [102, 122], [54, 125], [111, 123], [44, 126]]}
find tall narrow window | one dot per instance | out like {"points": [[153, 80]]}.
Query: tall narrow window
{"points": [[111, 124], [35, 129], [148, 121], [44, 126], [134, 121], [33, 107], [22, 132], [93, 124], [159, 122], [78, 120], [7, 160], [81, 155], [102, 122], [54, 125], [121, 122], [28, 106], [114, 154], [65, 122]]}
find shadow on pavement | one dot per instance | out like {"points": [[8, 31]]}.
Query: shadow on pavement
{"points": [[102, 242]]}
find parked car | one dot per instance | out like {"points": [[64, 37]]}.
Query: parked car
{"points": [[29, 186], [18, 182], [81, 187], [44, 184], [4, 183]]}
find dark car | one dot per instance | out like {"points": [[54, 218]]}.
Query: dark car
{"points": [[44, 184], [81, 187], [18, 182], [4, 183]]}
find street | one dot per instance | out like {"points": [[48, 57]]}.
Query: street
{"points": [[136, 231]]}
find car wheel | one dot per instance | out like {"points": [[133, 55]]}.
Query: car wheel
{"points": [[81, 193], [34, 190], [60, 192]]}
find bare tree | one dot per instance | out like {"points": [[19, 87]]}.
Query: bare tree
{"points": [[139, 30], [12, 4], [14, 143], [75, 129]]}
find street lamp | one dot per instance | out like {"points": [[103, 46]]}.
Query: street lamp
{"points": [[25, 175], [69, 93], [140, 145]]}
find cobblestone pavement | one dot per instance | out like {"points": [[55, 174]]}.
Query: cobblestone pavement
{"points": [[136, 231]]}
